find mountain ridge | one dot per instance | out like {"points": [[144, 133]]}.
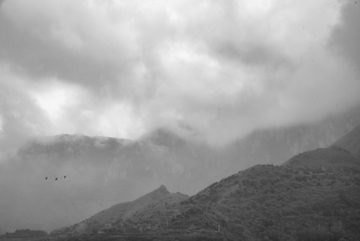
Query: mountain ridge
{"points": [[330, 158], [103, 171], [318, 188]]}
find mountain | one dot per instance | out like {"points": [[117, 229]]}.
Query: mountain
{"points": [[107, 219], [326, 159], [351, 142], [103, 171], [264, 202], [313, 196]]}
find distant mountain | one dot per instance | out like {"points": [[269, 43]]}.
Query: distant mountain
{"points": [[313, 196], [103, 171], [351, 142]]}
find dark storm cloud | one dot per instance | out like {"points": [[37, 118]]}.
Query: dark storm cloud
{"points": [[38, 57], [220, 69], [346, 36]]}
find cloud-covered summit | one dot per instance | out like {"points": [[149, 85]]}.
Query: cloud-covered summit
{"points": [[209, 70]]}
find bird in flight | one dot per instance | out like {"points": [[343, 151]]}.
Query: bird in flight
{"points": [[46, 178], [64, 176], [56, 179]]}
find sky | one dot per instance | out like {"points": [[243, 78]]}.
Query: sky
{"points": [[212, 71]]}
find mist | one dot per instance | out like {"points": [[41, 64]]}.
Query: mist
{"points": [[209, 71]]}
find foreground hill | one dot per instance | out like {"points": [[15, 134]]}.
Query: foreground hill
{"points": [[107, 219], [317, 200]]}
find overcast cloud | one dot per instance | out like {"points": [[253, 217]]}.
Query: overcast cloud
{"points": [[208, 70]]}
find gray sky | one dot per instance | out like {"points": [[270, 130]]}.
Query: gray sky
{"points": [[208, 70]]}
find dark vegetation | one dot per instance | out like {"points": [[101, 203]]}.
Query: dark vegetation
{"points": [[313, 196], [23, 233]]}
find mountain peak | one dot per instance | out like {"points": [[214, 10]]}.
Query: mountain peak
{"points": [[162, 189], [153, 195]]}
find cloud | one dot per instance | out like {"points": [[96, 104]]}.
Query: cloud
{"points": [[346, 35], [211, 71], [20, 118]]}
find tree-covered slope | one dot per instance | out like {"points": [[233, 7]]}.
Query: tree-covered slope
{"points": [[330, 159], [107, 220], [264, 202]]}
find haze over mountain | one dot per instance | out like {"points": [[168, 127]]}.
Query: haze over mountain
{"points": [[104, 171], [124, 96], [313, 196]]}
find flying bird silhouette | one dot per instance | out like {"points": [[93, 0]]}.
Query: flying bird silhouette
{"points": [[56, 179], [64, 176], [46, 178]]}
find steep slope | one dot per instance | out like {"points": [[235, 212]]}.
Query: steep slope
{"points": [[264, 202], [107, 219], [313, 196], [326, 159], [351, 142], [100, 172]]}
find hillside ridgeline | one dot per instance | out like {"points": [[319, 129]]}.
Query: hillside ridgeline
{"points": [[264, 202]]}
